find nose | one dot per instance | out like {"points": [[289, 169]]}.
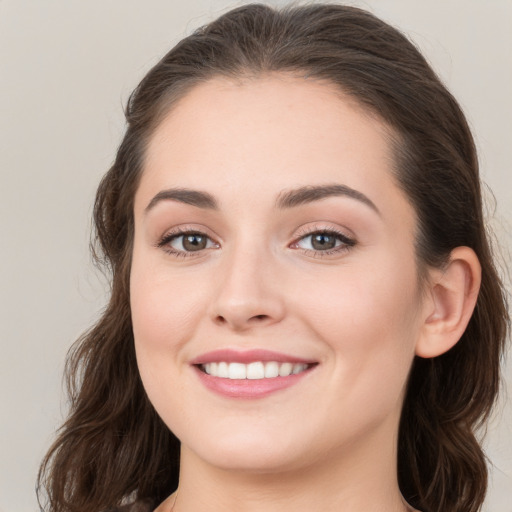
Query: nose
{"points": [[248, 293]]}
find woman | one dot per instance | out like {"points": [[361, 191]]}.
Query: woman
{"points": [[305, 313]]}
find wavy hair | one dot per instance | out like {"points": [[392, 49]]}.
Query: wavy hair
{"points": [[113, 446]]}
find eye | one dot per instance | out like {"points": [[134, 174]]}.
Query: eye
{"points": [[181, 243], [324, 241]]}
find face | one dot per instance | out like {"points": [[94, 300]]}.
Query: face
{"points": [[274, 287]]}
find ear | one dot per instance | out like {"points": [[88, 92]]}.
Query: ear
{"points": [[449, 303]]}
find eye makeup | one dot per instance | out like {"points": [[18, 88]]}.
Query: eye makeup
{"points": [[318, 241]]}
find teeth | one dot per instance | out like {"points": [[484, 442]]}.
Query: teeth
{"points": [[223, 370], [297, 368], [254, 371], [271, 370], [237, 371], [285, 369]]}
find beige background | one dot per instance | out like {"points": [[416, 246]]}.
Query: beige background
{"points": [[66, 69]]}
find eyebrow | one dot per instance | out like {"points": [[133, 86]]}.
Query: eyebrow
{"points": [[311, 193], [184, 195], [287, 199]]}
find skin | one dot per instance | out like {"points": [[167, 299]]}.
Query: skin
{"points": [[328, 442]]}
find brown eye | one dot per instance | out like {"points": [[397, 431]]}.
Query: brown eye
{"points": [[194, 242], [323, 241], [187, 242]]}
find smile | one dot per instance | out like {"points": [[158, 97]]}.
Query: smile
{"points": [[250, 374], [253, 371]]}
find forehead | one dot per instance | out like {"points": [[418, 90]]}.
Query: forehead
{"points": [[268, 134], [265, 111]]}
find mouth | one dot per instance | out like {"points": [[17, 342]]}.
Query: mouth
{"points": [[256, 370], [250, 374]]}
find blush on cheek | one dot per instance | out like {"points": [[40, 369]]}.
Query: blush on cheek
{"points": [[165, 312]]}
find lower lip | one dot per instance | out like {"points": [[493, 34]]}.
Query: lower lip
{"points": [[249, 388]]}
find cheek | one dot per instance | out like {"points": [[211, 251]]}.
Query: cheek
{"points": [[369, 326], [370, 323], [165, 315], [357, 301], [163, 309]]}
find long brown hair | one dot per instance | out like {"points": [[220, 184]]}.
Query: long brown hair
{"points": [[113, 445]]}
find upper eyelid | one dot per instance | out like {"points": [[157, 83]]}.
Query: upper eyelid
{"points": [[164, 243], [345, 235], [307, 230], [187, 229], [346, 240], [302, 232]]}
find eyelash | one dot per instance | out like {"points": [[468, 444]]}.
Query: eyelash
{"points": [[164, 242], [346, 242]]}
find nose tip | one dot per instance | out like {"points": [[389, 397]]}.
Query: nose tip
{"points": [[241, 321], [247, 299]]}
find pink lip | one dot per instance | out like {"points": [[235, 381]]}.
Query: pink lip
{"points": [[247, 388], [246, 357]]}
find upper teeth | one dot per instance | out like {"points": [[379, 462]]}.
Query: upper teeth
{"points": [[256, 370]]}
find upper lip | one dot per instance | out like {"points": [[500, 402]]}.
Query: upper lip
{"points": [[247, 356]]}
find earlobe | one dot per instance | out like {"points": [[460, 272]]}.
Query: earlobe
{"points": [[451, 300]]}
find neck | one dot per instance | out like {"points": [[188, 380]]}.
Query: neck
{"points": [[359, 479]]}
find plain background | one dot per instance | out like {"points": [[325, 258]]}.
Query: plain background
{"points": [[66, 69]]}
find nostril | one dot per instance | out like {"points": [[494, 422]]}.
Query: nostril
{"points": [[241, 320]]}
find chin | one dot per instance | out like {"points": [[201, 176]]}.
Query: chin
{"points": [[249, 452], [251, 462]]}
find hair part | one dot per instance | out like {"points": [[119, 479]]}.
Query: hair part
{"points": [[113, 444]]}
